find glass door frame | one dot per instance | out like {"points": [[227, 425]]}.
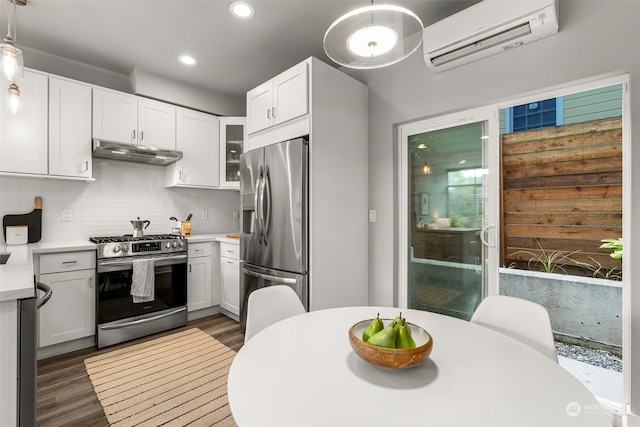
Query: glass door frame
{"points": [[490, 230]]}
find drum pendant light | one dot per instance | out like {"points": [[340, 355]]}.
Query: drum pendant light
{"points": [[374, 36]]}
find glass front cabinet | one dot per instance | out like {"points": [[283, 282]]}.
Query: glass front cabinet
{"points": [[232, 131]]}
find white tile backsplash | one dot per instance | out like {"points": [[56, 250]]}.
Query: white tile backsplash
{"points": [[122, 191]]}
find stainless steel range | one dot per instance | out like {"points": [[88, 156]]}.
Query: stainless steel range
{"points": [[120, 314]]}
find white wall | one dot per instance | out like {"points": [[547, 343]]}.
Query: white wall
{"points": [[596, 37], [122, 192]]}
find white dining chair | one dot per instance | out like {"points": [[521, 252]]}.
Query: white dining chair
{"points": [[526, 321], [269, 305]]}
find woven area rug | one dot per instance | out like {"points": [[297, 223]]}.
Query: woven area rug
{"points": [[176, 380]]}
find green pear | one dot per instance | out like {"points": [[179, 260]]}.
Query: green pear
{"points": [[403, 338], [397, 321], [374, 327], [384, 338]]}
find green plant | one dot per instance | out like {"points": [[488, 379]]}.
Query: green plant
{"points": [[598, 270], [550, 261], [615, 244]]}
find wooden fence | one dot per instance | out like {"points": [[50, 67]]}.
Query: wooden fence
{"points": [[562, 191]]}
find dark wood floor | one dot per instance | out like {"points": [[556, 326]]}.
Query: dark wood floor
{"points": [[65, 396]]}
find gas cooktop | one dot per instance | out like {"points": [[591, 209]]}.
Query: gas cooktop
{"points": [[131, 238], [128, 245]]}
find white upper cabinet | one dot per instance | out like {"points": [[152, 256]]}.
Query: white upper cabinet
{"points": [[69, 128], [115, 116], [131, 119], [156, 124], [198, 138], [282, 98], [23, 136], [232, 130]]}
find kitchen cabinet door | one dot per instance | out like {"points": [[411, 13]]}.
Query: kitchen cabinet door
{"points": [[230, 274], [230, 290], [198, 137], [69, 128], [259, 103], [156, 124], [70, 313], [23, 136], [231, 146], [290, 94], [115, 116], [199, 277]]}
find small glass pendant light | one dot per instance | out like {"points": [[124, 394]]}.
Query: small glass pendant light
{"points": [[14, 103], [11, 62]]}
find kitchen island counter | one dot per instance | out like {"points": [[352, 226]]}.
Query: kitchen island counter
{"points": [[17, 275]]}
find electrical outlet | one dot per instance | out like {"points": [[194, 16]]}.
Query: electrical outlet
{"points": [[205, 215], [236, 214], [372, 216], [66, 215]]}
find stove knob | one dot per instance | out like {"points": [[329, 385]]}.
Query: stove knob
{"points": [[180, 243], [174, 244], [168, 245], [117, 249], [125, 248]]}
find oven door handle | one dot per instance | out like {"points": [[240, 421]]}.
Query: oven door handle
{"points": [[159, 261], [137, 322]]}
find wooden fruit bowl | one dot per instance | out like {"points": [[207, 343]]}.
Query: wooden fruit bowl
{"points": [[391, 357]]}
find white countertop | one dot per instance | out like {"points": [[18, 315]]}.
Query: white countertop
{"points": [[16, 276], [216, 237]]}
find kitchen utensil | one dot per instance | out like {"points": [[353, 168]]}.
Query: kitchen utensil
{"points": [[391, 357], [189, 217], [139, 226], [33, 220], [17, 234]]}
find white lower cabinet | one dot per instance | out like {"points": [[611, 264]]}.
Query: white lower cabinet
{"points": [[230, 274], [199, 279], [70, 313]]}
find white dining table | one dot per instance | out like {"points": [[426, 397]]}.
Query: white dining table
{"points": [[302, 372]]}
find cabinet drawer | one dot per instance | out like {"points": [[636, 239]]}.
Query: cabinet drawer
{"points": [[229, 250], [67, 261], [199, 249]]}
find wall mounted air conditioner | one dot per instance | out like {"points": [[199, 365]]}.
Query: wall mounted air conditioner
{"points": [[487, 28]]}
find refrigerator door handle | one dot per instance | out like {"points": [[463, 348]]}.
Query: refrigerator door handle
{"points": [[267, 201], [261, 205], [269, 277], [257, 206]]}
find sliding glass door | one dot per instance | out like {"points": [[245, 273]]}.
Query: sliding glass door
{"points": [[449, 184]]}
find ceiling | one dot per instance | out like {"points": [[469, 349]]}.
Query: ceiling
{"points": [[234, 55]]}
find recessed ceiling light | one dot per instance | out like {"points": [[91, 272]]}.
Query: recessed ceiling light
{"points": [[187, 60], [241, 10]]}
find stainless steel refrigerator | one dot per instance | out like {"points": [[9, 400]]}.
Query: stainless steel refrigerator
{"points": [[274, 235]]}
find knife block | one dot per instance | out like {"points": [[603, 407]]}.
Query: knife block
{"points": [[185, 229]]}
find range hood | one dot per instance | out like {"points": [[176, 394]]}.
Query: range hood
{"points": [[134, 153]]}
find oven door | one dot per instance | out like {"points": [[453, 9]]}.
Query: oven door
{"points": [[114, 300]]}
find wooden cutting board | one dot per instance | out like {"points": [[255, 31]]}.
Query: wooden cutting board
{"points": [[33, 220]]}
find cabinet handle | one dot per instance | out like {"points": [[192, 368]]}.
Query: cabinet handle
{"points": [[133, 135], [84, 166], [90, 280], [189, 268], [268, 113], [180, 175], [69, 262], [141, 135], [273, 112]]}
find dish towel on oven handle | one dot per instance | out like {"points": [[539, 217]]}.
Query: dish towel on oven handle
{"points": [[143, 280]]}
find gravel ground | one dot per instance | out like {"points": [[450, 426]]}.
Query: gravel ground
{"points": [[600, 358]]}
